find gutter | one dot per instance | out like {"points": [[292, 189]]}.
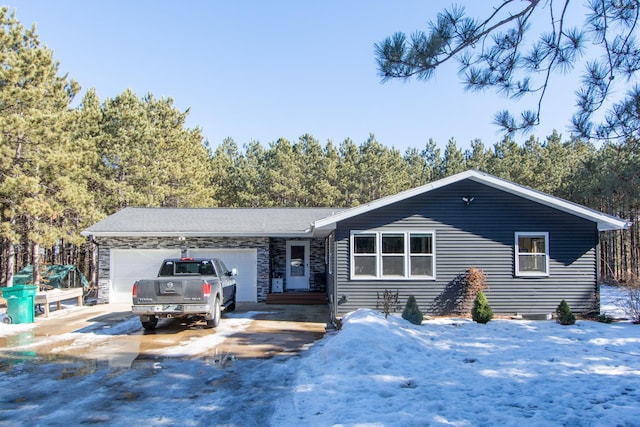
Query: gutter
{"points": [[306, 233]]}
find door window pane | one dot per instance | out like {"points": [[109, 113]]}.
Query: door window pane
{"points": [[297, 267]]}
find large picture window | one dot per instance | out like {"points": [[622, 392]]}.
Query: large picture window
{"points": [[392, 254], [532, 254]]}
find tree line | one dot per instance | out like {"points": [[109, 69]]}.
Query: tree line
{"points": [[306, 173], [64, 167]]}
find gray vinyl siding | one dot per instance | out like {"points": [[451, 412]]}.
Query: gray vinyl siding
{"points": [[478, 235]]}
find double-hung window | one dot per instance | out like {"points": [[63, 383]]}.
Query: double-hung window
{"points": [[364, 255], [392, 255], [532, 254]]}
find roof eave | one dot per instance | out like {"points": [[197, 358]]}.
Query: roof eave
{"points": [[385, 201], [191, 234], [603, 221]]}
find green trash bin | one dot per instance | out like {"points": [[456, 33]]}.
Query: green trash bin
{"points": [[20, 303]]}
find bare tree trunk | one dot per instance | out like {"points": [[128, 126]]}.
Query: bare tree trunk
{"points": [[35, 262], [94, 263], [635, 246], [10, 264]]}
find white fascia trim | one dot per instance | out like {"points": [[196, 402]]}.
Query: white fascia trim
{"points": [[605, 222], [385, 201], [192, 234]]}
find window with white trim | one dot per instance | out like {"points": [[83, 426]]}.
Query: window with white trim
{"points": [[532, 254], [392, 254], [364, 255]]}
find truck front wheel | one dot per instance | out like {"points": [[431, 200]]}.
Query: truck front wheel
{"points": [[215, 320], [149, 322]]}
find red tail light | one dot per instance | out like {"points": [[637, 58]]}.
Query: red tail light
{"points": [[206, 289], [134, 291]]}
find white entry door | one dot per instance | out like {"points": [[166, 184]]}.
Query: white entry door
{"points": [[297, 266]]}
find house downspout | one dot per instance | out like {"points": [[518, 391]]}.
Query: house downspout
{"points": [[598, 268], [331, 297]]}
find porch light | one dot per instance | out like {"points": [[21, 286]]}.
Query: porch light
{"points": [[467, 199]]}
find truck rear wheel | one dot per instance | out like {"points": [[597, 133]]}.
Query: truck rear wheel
{"points": [[215, 320], [149, 322]]}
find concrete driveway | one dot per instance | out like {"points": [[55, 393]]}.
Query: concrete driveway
{"points": [[96, 365], [111, 333]]}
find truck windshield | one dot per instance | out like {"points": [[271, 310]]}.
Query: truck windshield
{"points": [[187, 267]]}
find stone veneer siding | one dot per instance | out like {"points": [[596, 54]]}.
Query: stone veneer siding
{"points": [[278, 250], [105, 244]]}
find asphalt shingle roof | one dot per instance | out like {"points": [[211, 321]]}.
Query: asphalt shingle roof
{"points": [[214, 221]]}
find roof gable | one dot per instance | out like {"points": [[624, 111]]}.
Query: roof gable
{"points": [[604, 221], [305, 222]]}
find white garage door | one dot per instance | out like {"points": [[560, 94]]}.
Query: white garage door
{"points": [[243, 260], [129, 265]]}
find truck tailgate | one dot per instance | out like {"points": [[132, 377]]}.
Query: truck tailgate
{"points": [[173, 290]]}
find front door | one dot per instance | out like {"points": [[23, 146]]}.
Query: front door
{"points": [[297, 266]]}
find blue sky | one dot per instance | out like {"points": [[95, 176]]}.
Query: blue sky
{"points": [[261, 70]]}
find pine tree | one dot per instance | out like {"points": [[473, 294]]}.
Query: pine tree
{"points": [[39, 197], [564, 314], [283, 175], [434, 162], [316, 189], [254, 193], [476, 157], [453, 161], [412, 312], [481, 311], [416, 167], [497, 51], [348, 175], [149, 158], [226, 179]]}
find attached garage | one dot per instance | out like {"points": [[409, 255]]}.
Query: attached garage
{"points": [[129, 265], [133, 242], [243, 260]]}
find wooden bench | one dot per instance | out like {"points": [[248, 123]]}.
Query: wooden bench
{"points": [[57, 295]]}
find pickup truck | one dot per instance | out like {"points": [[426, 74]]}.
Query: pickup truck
{"points": [[185, 287]]}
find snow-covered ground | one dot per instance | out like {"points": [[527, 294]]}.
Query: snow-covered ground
{"points": [[373, 372]]}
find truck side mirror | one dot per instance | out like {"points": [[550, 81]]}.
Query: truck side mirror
{"points": [[234, 272]]}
